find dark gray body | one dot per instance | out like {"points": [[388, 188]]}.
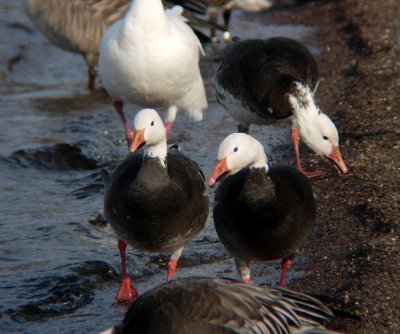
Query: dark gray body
{"points": [[153, 208], [260, 216], [255, 77]]}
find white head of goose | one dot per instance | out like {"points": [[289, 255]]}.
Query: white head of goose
{"points": [[261, 212], [156, 199], [263, 81], [202, 305], [150, 134]]}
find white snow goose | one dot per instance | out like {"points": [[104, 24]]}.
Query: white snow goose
{"points": [[260, 213], [263, 81], [156, 199], [151, 58], [202, 305], [78, 26]]}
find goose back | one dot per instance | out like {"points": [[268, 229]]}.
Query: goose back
{"points": [[257, 74], [220, 306], [75, 25]]}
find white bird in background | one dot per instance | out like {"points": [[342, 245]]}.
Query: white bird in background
{"points": [[215, 7], [78, 25], [151, 58]]}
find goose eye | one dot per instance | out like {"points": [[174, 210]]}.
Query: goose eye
{"points": [[325, 137], [152, 123], [235, 149]]}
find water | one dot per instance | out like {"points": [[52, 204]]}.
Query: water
{"points": [[59, 261]]}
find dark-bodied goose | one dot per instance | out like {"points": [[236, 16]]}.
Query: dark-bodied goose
{"points": [[156, 200], [260, 213], [222, 306], [151, 58], [263, 81], [78, 25]]}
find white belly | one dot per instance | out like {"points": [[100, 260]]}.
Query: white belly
{"points": [[238, 111]]}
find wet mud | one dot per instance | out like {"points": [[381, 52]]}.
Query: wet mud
{"points": [[355, 250]]}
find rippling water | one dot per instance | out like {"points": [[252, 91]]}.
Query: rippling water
{"points": [[58, 257]]}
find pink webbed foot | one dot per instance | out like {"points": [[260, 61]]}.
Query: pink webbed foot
{"points": [[309, 174], [127, 293], [247, 280], [171, 269]]}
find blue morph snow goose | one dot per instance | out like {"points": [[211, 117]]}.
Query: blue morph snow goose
{"points": [[156, 199], [263, 81], [202, 305], [151, 58], [260, 213]]}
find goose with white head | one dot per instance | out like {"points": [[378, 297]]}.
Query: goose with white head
{"points": [[156, 199], [264, 81], [260, 213], [151, 58]]}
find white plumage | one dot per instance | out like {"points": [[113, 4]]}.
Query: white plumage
{"points": [[151, 58]]}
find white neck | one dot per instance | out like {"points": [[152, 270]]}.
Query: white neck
{"points": [[260, 162], [148, 12], [304, 108], [157, 151]]}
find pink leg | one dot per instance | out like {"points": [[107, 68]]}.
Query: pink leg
{"points": [[286, 263], [295, 142], [168, 127], [128, 130], [127, 293]]}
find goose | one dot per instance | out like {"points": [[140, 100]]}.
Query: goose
{"points": [[156, 199], [78, 25], [260, 213], [151, 58], [264, 81], [201, 305], [215, 6]]}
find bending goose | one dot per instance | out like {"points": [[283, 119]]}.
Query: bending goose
{"points": [[260, 213], [151, 58], [220, 306], [156, 200], [263, 81], [78, 25]]}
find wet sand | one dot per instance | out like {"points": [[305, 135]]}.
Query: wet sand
{"points": [[355, 250]]}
